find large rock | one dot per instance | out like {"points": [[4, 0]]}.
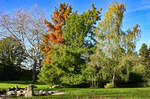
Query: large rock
{"points": [[43, 93], [29, 92], [20, 93], [50, 92], [40, 92], [11, 93]]}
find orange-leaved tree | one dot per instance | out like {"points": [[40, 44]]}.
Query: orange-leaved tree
{"points": [[54, 33]]}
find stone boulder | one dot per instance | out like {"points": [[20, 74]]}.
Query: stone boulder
{"points": [[50, 92], [11, 93], [29, 92], [20, 93], [43, 93]]}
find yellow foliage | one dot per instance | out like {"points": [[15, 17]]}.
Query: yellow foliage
{"points": [[109, 85]]}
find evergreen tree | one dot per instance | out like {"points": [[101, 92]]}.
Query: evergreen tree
{"points": [[144, 54]]}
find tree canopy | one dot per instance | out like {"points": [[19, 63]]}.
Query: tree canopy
{"points": [[11, 57], [68, 61]]}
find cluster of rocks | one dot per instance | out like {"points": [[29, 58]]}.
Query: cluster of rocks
{"points": [[16, 91], [26, 92]]}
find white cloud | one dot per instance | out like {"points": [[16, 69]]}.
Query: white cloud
{"points": [[140, 9]]}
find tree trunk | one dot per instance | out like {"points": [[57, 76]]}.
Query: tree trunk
{"points": [[34, 71], [92, 82], [113, 80]]}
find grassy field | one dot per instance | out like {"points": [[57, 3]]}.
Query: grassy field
{"points": [[7, 84], [87, 93]]}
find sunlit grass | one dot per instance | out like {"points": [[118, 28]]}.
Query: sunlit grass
{"points": [[86, 93], [7, 84]]}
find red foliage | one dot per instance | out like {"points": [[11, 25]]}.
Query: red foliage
{"points": [[58, 26], [60, 40], [49, 25], [55, 36], [52, 37]]}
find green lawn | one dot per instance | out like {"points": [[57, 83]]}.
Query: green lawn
{"points": [[6, 84], [87, 93]]}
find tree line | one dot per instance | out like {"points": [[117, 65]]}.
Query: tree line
{"points": [[77, 50]]}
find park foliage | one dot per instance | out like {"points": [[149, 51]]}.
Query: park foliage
{"points": [[77, 50]]}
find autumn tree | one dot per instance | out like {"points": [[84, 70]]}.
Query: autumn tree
{"points": [[54, 37], [68, 58], [113, 44]]}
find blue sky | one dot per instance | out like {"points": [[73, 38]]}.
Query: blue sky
{"points": [[138, 11]]}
